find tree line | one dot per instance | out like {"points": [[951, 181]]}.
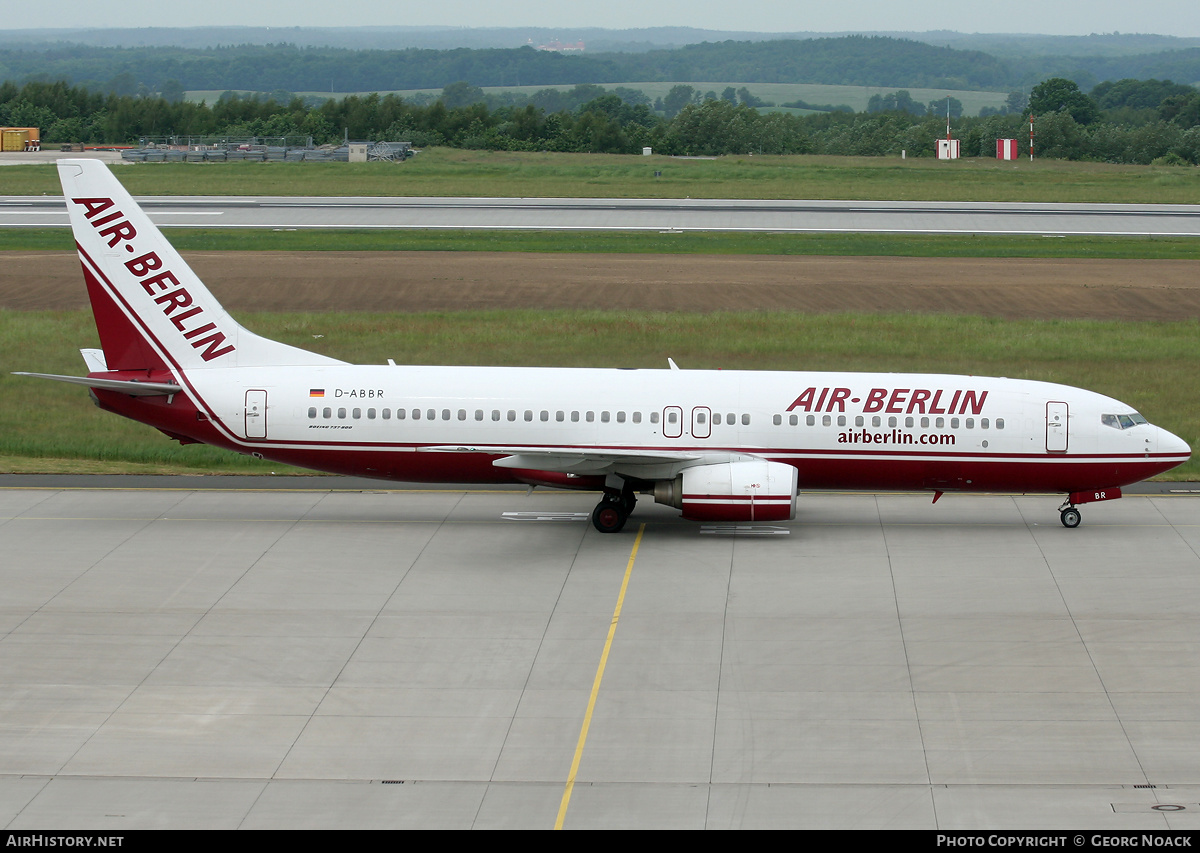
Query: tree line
{"points": [[1146, 121]]}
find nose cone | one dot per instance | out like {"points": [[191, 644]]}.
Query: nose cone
{"points": [[1173, 444]]}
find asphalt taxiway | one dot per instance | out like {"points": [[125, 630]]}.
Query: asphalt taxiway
{"points": [[601, 214], [308, 656]]}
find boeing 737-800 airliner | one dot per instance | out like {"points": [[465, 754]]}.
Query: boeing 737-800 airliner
{"points": [[718, 445]]}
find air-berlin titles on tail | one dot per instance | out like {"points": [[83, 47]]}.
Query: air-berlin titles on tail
{"points": [[896, 401], [175, 301]]}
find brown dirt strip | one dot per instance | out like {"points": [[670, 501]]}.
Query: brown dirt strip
{"points": [[452, 281]]}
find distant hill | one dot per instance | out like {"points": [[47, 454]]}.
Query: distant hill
{"points": [[848, 60], [597, 40], [296, 59], [1182, 66], [851, 60]]}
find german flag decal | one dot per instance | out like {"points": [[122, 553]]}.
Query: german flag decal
{"points": [[316, 392]]}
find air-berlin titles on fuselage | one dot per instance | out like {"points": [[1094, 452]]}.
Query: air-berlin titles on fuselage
{"points": [[895, 401], [175, 301]]}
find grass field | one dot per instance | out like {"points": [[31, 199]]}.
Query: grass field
{"points": [[862, 245], [46, 427], [452, 172]]}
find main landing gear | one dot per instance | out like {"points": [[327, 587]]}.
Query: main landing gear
{"points": [[610, 514]]}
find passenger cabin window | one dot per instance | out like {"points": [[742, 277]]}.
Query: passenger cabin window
{"points": [[312, 412]]}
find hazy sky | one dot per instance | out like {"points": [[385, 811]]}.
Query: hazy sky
{"points": [[1071, 17]]}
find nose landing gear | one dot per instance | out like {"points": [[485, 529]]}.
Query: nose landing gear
{"points": [[1069, 515]]}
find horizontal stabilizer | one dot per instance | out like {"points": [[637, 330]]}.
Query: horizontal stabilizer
{"points": [[125, 386]]}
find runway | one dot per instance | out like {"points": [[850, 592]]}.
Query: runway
{"points": [[541, 214], [363, 657]]}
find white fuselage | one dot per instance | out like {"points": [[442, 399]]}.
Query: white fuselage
{"points": [[810, 420]]}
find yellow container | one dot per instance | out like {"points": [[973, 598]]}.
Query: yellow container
{"points": [[14, 140]]}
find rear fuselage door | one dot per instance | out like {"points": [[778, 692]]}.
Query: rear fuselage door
{"points": [[256, 414], [1056, 427]]}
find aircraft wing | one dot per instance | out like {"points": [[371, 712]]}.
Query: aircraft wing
{"points": [[648, 464]]}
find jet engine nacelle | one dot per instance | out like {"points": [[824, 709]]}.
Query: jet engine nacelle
{"points": [[750, 490]]}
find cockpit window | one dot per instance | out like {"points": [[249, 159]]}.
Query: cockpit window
{"points": [[1122, 421]]}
